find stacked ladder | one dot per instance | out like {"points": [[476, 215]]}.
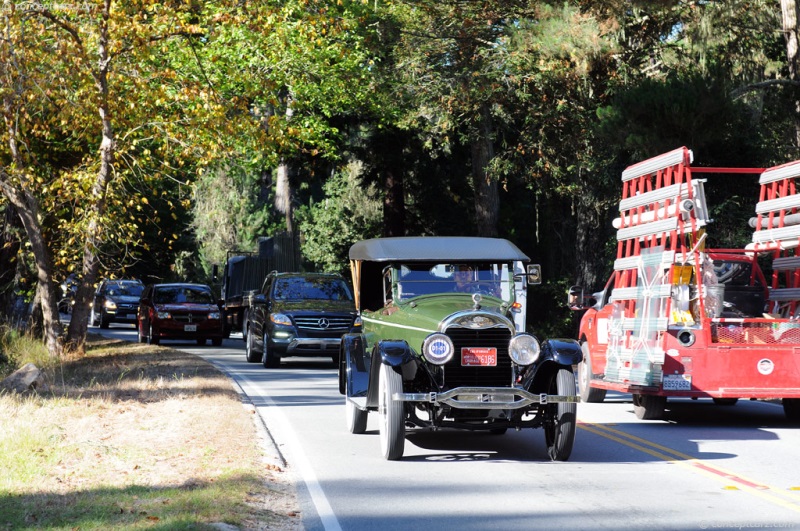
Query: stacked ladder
{"points": [[662, 215], [777, 231]]}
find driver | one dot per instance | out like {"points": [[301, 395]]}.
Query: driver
{"points": [[464, 276]]}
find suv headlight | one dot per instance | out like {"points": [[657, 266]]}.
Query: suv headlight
{"points": [[438, 349], [281, 319], [111, 305], [214, 316], [524, 349]]}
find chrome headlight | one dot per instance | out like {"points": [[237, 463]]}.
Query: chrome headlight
{"points": [[214, 316], [524, 349], [438, 349], [163, 315], [111, 305], [281, 319]]}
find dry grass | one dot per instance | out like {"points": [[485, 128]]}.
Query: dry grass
{"points": [[134, 436]]}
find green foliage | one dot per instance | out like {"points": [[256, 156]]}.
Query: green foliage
{"points": [[349, 212]]}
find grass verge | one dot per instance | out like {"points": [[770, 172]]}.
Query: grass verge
{"points": [[137, 437]]}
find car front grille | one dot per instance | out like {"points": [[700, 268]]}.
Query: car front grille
{"points": [[323, 322], [130, 308], [500, 376], [189, 317]]}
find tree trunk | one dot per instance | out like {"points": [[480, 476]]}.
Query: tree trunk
{"points": [[790, 34], [394, 208], [76, 336], [487, 200], [9, 249]]}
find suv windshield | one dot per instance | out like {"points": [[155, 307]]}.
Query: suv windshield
{"points": [[300, 288], [126, 289], [495, 280]]}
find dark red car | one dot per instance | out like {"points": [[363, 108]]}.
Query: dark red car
{"points": [[179, 311]]}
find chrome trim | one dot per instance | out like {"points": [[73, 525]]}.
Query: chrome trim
{"points": [[493, 320], [487, 398]]}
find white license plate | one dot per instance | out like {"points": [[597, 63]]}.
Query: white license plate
{"points": [[677, 382], [478, 357], [190, 328]]}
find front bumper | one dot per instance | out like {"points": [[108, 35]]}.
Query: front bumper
{"points": [[306, 346], [485, 398]]}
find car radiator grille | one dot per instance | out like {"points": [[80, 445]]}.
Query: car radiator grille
{"points": [[500, 376], [323, 322], [189, 317]]}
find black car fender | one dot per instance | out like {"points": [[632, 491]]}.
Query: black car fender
{"points": [[562, 351], [353, 365], [396, 354], [556, 354]]}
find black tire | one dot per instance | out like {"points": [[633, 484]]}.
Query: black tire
{"points": [[93, 318], [142, 338], [649, 407], [250, 352], [356, 418], [791, 408], [152, 338], [104, 321], [561, 417], [216, 341], [201, 341], [588, 393], [268, 357], [390, 414], [245, 322], [498, 431], [725, 401]]}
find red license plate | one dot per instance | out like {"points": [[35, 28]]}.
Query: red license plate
{"points": [[478, 357]]}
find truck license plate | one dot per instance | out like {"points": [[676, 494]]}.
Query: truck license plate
{"points": [[677, 382], [190, 328], [478, 357]]}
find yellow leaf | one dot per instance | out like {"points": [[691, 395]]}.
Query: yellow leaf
{"points": [[145, 201]]}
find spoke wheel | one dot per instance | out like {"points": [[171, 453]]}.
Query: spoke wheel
{"points": [[268, 358], [390, 414], [588, 393], [649, 407], [561, 417], [356, 418], [249, 351]]}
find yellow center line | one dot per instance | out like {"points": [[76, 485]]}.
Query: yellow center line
{"points": [[690, 463]]}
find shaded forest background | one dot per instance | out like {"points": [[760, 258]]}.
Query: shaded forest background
{"points": [[146, 139]]}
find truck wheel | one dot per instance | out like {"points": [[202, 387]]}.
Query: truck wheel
{"points": [[390, 413], [356, 418], [588, 393], [649, 407], [249, 351], [561, 417], [791, 408], [268, 357]]}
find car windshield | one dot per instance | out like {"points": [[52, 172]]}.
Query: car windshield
{"points": [[182, 294], [300, 288], [125, 289], [494, 280]]}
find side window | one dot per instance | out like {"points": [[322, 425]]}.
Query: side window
{"points": [[387, 286]]}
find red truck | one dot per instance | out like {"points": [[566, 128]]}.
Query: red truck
{"points": [[677, 319]]}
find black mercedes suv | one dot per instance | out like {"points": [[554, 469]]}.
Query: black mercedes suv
{"points": [[299, 314]]}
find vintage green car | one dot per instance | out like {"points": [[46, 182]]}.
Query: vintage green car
{"points": [[444, 344]]}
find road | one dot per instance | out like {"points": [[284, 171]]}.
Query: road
{"points": [[703, 467]]}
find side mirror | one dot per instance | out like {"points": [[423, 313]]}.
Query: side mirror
{"points": [[258, 298], [578, 300], [534, 274]]}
